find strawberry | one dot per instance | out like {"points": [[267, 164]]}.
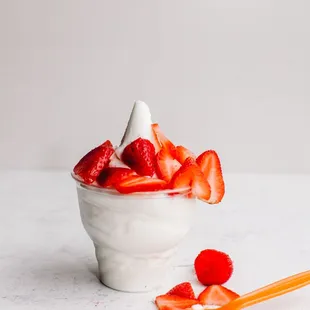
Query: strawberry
{"points": [[213, 267], [217, 295], [182, 153], [156, 143], [210, 165], [140, 156], [89, 167], [183, 290], [171, 302], [110, 176], [163, 140], [190, 175], [166, 165], [107, 144], [140, 184]]}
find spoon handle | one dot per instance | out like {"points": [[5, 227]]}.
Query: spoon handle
{"points": [[270, 291]]}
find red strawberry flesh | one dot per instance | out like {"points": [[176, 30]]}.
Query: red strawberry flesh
{"points": [[134, 184], [107, 144], [166, 165], [184, 289], [89, 167], [163, 140], [190, 175], [217, 295], [157, 144], [113, 175], [213, 267], [182, 153], [210, 165], [170, 302], [140, 156]]}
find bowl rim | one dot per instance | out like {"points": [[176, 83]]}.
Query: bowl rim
{"points": [[114, 192]]}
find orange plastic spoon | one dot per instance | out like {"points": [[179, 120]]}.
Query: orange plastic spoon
{"points": [[270, 291]]}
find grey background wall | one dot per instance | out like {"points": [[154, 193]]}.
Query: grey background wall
{"points": [[228, 75]]}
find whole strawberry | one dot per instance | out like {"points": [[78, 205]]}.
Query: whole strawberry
{"points": [[213, 267], [139, 155]]}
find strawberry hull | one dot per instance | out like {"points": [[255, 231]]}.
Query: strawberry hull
{"points": [[136, 235]]}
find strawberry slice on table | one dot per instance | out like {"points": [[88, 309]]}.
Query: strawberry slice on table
{"points": [[184, 289], [134, 184], [173, 302], [139, 155], [89, 167], [182, 153], [210, 165], [166, 165], [217, 295], [163, 140], [190, 175], [113, 175]]}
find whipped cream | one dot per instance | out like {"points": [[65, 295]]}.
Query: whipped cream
{"points": [[116, 162], [139, 126]]}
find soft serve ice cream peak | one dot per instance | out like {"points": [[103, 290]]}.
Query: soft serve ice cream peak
{"points": [[139, 126]]}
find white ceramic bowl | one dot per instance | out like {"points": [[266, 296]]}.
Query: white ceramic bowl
{"points": [[136, 235]]}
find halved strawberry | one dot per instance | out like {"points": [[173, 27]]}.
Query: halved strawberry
{"points": [[210, 165], [163, 140], [110, 176], [216, 295], [190, 175], [89, 167], [170, 302], [182, 153], [140, 184], [184, 289], [140, 156], [166, 165]]}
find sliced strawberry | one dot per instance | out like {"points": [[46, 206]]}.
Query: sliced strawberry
{"points": [[166, 165], [217, 295], [190, 175], [163, 140], [156, 143], [89, 167], [210, 165], [184, 289], [170, 302], [182, 153], [140, 184], [140, 156], [110, 176]]}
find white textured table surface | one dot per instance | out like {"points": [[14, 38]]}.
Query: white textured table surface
{"points": [[47, 260]]}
